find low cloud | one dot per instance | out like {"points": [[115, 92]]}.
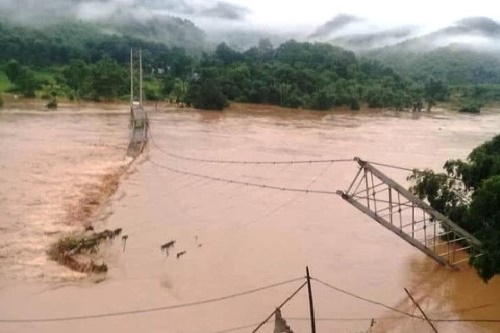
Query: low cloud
{"points": [[45, 12], [335, 25], [375, 39], [226, 11]]}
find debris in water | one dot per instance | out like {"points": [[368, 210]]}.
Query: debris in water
{"points": [[70, 251], [167, 246], [124, 241], [180, 254]]}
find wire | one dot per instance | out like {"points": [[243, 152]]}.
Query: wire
{"points": [[345, 319], [465, 320], [288, 202], [395, 318], [392, 166], [366, 299], [239, 328], [279, 307], [132, 312], [402, 312], [234, 329], [220, 161], [259, 162], [231, 181]]}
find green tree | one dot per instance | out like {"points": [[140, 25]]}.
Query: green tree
{"points": [[485, 208], [435, 91], [108, 79], [77, 76], [14, 71], [226, 54], [27, 83], [469, 194], [179, 91], [322, 100], [206, 95]]}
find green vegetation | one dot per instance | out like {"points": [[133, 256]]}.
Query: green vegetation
{"points": [[472, 76], [5, 84], [80, 61], [469, 194], [470, 107]]}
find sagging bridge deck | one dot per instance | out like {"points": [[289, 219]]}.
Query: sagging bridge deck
{"points": [[139, 124]]}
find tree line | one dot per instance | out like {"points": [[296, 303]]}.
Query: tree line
{"points": [[296, 75], [79, 61]]}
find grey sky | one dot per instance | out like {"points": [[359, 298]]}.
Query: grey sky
{"points": [[269, 15], [310, 13]]}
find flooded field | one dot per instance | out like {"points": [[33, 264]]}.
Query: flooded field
{"points": [[235, 237]]}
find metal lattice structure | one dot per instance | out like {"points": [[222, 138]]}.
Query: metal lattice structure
{"points": [[397, 209]]}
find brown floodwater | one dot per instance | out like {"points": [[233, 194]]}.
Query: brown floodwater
{"points": [[235, 237]]}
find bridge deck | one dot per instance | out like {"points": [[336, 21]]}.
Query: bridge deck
{"points": [[139, 124]]}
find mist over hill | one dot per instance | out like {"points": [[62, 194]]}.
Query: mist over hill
{"points": [[463, 51], [202, 24]]}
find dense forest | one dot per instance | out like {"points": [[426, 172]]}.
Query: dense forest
{"points": [[80, 61], [472, 74]]}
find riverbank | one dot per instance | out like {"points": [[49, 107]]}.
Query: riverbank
{"points": [[12, 101]]}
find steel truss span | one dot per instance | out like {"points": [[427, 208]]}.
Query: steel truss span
{"points": [[397, 209]]}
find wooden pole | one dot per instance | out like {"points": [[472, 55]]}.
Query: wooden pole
{"points": [[311, 305], [421, 311]]}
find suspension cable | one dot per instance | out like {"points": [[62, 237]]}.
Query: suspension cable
{"points": [[232, 181], [365, 299]]}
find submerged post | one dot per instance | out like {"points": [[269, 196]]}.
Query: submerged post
{"points": [[311, 305]]}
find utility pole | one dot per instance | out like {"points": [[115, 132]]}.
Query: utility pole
{"points": [[140, 76], [131, 77], [311, 306]]}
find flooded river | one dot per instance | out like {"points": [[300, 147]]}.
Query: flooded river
{"points": [[235, 237]]}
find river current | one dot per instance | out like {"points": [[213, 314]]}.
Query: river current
{"points": [[235, 237]]}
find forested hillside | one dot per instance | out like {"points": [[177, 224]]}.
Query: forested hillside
{"points": [[83, 61]]}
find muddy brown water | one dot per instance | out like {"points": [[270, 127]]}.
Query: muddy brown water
{"points": [[236, 237]]}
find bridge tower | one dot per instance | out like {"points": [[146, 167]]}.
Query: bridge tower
{"points": [[139, 122]]}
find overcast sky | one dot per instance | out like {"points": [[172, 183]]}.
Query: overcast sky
{"points": [[271, 15], [430, 13]]}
